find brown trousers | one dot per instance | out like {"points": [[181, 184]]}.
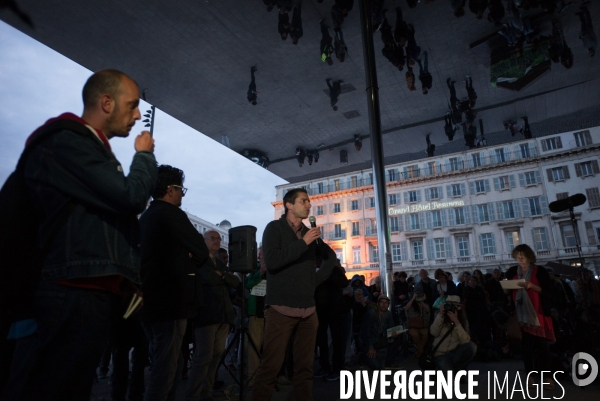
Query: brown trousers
{"points": [[278, 329], [419, 337]]}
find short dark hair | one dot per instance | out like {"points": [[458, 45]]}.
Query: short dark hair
{"points": [[526, 251], [220, 252], [102, 82], [438, 273], [291, 196], [167, 175]]}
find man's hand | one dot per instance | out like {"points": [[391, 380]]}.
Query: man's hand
{"points": [[312, 235], [372, 353], [454, 318], [395, 334], [144, 142]]}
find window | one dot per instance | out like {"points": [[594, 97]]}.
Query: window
{"points": [[397, 252], [417, 247], [500, 156], [339, 253], [336, 185], [411, 171], [353, 182], [371, 202], [557, 174], [476, 158], [440, 248], [414, 222], [455, 164], [392, 200], [482, 211], [392, 175], [433, 193], [459, 216], [488, 247], [372, 227], [456, 190], [512, 240], [374, 253], [337, 231], [508, 209], [436, 218], [463, 246], [568, 235], [551, 143], [479, 186], [562, 195], [593, 197], [534, 206], [356, 255], [394, 224], [503, 182], [355, 228], [432, 168], [319, 210], [336, 208], [412, 196], [320, 188], [530, 178], [583, 138], [540, 239], [525, 152], [586, 168], [354, 205]]}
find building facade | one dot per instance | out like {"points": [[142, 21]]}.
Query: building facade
{"points": [[466, 210]]}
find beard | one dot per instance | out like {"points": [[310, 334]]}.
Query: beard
{"points": [[113, 127]]}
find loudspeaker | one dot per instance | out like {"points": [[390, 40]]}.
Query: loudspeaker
{"points": [[242, 249], [343, 157]]}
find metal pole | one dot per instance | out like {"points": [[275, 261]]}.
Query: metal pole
{"points": [[383, 240]]}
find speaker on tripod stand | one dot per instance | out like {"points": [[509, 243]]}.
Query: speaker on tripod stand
{"points": [[242, 259]]}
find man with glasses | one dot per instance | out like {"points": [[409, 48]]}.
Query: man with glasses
{"points": [[173, 252], [213, 321]]}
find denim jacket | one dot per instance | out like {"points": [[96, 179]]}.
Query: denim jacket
{"points": [[101, 236]]}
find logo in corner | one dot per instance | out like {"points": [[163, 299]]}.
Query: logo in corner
{"points": [[584, 365]]}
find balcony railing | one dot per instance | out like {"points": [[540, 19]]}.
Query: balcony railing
{"points": [[336, 235], [371, 232]]}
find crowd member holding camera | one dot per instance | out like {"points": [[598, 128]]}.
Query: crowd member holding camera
{"points": [[532, 304], [417, 312], [456, 350]]}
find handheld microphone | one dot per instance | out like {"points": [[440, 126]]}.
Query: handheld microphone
{"points": [[313, 224]]}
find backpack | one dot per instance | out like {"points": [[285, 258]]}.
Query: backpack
{"points": [[21, 254]]}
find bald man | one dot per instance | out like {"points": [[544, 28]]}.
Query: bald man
{"points": [[88, 211]]}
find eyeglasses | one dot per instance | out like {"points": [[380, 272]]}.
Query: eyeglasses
{"points": [[211, 238], [183, 189]]}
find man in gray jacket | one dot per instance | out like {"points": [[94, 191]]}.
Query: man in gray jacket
{"points": [[212, 322], [291, 251]]}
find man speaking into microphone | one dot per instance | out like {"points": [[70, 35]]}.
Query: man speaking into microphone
{"points": [[290, 252]]}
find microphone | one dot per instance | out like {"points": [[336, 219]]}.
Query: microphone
{"points": [[567, 203], [313, 224]]}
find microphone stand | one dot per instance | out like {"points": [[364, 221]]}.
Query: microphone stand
{"points": [[577, 240]]}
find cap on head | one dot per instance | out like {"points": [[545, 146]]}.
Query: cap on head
{"points": [[453, 299]]}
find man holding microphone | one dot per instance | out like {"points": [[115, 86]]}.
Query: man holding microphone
{"points": [[291, 250]]}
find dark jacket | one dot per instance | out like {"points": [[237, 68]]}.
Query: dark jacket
{"points": [[217, 306], [330, 295], [101, 236], [450, 289], [546, 285], [291, 266], [169, 282], [374, 327]]}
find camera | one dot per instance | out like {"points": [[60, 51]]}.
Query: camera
{"points": [[448, 307]]}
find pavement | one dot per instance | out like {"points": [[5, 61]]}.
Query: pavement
{"points": [[505, 371]]}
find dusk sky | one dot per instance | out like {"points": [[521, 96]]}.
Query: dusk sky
{"points": [[37, 83]]}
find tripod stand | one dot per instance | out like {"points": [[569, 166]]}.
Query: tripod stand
{"points": [[240, 333]]}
